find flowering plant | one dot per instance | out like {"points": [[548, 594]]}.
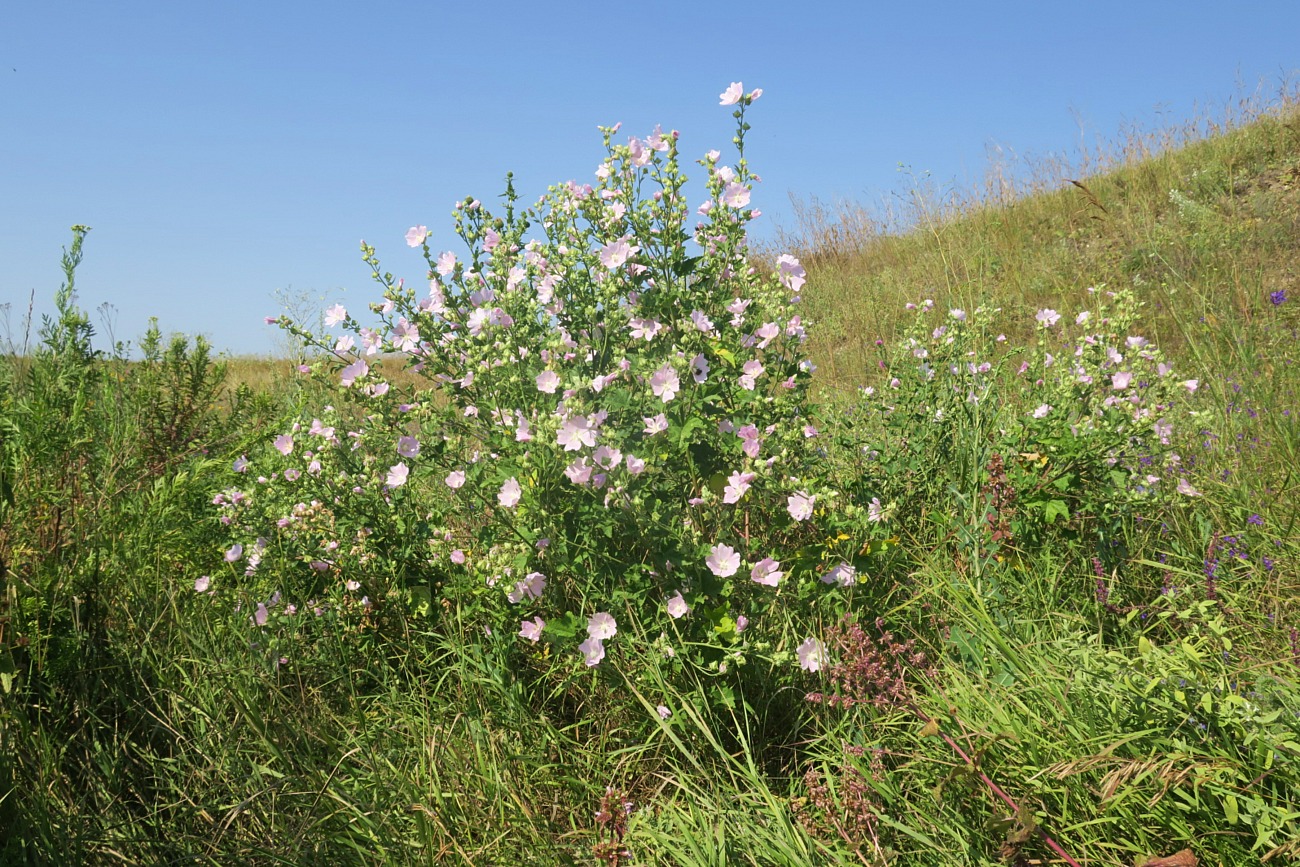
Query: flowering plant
{"points": [[613, 418]]}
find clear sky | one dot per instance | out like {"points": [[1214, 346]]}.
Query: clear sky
{"points": [[222, 151]]}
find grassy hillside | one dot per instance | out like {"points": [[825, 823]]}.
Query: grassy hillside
{"points": [[1046, 536]]}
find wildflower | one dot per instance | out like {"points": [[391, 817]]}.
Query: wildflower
{"points": [[737, 485], [354, 371], [1042, 411], [875, 511], [261, 614], [1185, 487], [415, 235], [732, 94], [1277, 298], [335, 315], [1047, 318], [532, 629], [1121, 380], [601, 625], [241, 464], [766, 572], [397, 475], [677, 606], [842, 575], [455, 479], [234, 553], [548, 381], [655, 425], [284, 444], [531, 587], [616, 253], [735, 195], [663, 712], [635, 465], [793, 275], [202, 583], [812, 655], [593, 650], [509, 493], [723, 561], [576, 433], [664, 383], [408, 447], [800, 505]]}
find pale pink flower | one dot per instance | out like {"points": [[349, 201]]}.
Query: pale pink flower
{"points": [[812, 655], [1041, 411], [408, 447], [415, 235], [1121, 380], [842, 575], [700, 368], [335, 315], [702, 322], [737, 485], [732, 94], [664, 383], [593, 650], [455, 479], [576, 433], [793, 275], [241, 464], [800, 505], [397, 475], [202, 583], [532, 629], [1047, 317], [1191, 384], [234, 552], [767, 572], [735, 195], [261, 614], [602, 626], [875, 511], [354, 371], [548, 381], [663, 712], [284, 444], [750, 372], [677, 606], [655, 425], [531, 587], [457, 557], [723, 561], [635, 466], [606, 457], [616, 253], [446, 263], [579, 472], [1185, 487], [510, 493]]}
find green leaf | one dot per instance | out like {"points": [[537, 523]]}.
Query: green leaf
{"points": [[1230, 809], [1053, 509]]}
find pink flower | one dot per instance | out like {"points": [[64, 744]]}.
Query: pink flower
{"points": [[1121, 380], [455, 479], [335, 315], [531, 587], [579, 472], [397, 476], [635, 466], [700, 368], [354, 371], [1047, 317], [766, 572], [408, 447], [602, 626], [737, 485], [735, 195], [510, 493], [532, 629], [677, 606], [812, 655], [732, 94], [1191, 384], [663, 712], [234, 553], [415, 235], [261, 614], [723, 561], [606, 457], [1185, 488], [702, 322], [751, 371], [655, 425], [793, 275], [800, 505], [458, 557], [616, 253], [202, 583], [593, 650], [1042, 411], [284, 444], [664, 383], [576, 433], [548, 381], [241, 464], [446, 263], [842, 575]]}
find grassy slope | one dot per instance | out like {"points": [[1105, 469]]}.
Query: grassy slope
{"points": [[148, 738]]}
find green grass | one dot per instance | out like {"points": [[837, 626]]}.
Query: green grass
{"points": [[139, 725]]}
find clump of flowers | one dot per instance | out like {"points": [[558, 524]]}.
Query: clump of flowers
{"points": [[617, 419]]}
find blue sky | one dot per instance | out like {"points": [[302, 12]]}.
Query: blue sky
{"points": [[224, 151]]}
